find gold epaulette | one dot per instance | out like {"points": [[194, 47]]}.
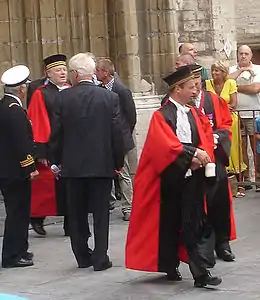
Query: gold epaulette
{"points": [[27, 162], [12, 104]]}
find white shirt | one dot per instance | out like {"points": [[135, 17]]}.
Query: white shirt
{"points": [[247, 101], [60, 88], [183, 129], [16, 98]]}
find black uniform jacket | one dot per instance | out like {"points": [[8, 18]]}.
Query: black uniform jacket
{"points": [[87, 132], [127, 113], [16, 149]]}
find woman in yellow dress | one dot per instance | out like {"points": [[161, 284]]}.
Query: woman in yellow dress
{"points": [[226, 88]]}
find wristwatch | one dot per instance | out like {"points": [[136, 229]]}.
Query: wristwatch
{"points": [[195, 154]]}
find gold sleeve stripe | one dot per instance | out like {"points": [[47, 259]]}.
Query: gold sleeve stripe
{"points": [[27, 162], [13, 104]]}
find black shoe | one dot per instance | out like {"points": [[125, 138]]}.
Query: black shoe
{"points": [[90, 251], [66, 233], [104, 266], [174, 275], [207, 279], [38, 228], [225, 255], [19, 264], [85, 265], [111, 206], [28, 256], [126, 216], [248, 184]]}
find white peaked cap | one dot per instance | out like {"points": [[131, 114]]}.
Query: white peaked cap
{"points": [[15, 76]]}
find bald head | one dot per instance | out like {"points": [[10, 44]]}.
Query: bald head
{"points": [[188, 48], [244, 56], [184, 60]]}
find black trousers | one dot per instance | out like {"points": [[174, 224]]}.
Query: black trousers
{"points": [[218, 208], [84, 195], [182, 219], [17, 198]]}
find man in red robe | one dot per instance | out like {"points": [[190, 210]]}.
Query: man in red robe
{"points": [[219, 196], [169, 187], [48, 194]]}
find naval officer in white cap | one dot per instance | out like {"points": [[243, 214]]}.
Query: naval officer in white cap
{"points": [[17, 167]]}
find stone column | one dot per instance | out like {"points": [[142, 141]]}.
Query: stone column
{"points": [[123, 34], [98, 27]]}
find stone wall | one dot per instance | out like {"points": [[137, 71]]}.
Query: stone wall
{"points": [[208, 24], [248, 22]]}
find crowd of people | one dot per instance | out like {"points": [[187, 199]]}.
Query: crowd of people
{"points": [[66, 143]]}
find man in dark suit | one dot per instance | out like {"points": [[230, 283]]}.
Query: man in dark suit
{"points": [[105, 71], [17, 167], [89, 140]]}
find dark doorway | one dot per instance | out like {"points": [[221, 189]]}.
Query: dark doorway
{"points": [[256, 56]]}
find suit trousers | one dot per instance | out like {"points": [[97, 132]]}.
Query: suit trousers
{"points": [[17, 198], [126, 186], [84, 195]]}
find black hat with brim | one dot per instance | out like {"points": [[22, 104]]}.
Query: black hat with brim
{"points": [[181, 75], [54, 61]]}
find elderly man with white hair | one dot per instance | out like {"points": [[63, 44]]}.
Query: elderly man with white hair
{"points": [[89, 138]]}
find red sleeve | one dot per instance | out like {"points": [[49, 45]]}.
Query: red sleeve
{"points": [[222, 113], [38, 115], [205, 133]]}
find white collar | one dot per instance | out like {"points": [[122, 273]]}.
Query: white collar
{"points": [[86, 80], [179, 106], [60, 88], [16, 98]]}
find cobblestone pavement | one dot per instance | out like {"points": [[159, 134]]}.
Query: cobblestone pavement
{"points": [[55, 275]]}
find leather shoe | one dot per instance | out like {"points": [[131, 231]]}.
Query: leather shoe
{"points": [[19, 264], [225, 255], [104, 266], [85, 265], [90, 251], [38, 228], [28, 255], [207, 279], [126, 216], [174, 275]]}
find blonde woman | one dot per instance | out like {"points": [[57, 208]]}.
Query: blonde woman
{"points": [[226, 88]]}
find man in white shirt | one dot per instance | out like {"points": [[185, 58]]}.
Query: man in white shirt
{"points": [[247, 76]]}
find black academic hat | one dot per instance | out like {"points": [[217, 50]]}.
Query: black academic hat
{"points": [[196, 70], [54, 60], [180, 76]]}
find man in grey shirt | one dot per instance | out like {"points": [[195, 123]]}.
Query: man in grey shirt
{"points": [[247, 76]]}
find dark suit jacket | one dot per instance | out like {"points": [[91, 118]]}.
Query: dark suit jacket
{"points": [[87, 133], [16, 150], [127, 113]]}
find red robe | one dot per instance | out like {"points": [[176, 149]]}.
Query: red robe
{"points": [[223, 122], [43, 199], [161, 148]]}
